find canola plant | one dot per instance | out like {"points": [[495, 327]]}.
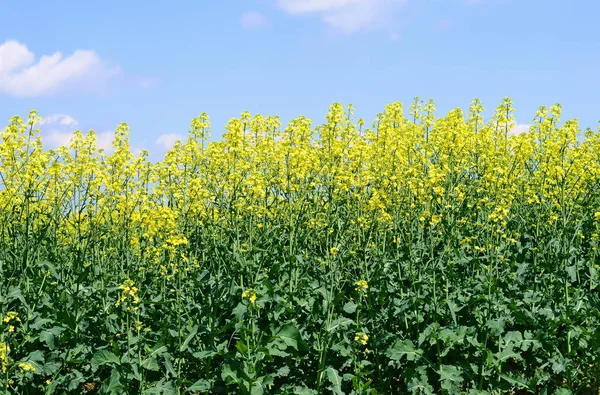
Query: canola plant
{"points": [[420, 255]]}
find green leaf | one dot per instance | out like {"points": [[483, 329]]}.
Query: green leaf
{"points": [[114, 385], [169, 365], [419, 382], [350, 307], [257, 389], [39, 323], [229, 375], [49, 338], [507, 354], [340, 322], [104, 357], [453, 307], [572, 271], [151, 364], [204, 354], [189, 338], [283, 371], [200, 385], [450, 376], [516, 381], [241, 347], [239, 311], [403, 348], [292, 338], [496, 326], [304, 390], [335, 380], [15, 293]]}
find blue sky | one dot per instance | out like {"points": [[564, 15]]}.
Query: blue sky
{"points": [[156, 65]]}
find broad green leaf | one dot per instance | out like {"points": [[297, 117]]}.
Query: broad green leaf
{"points": [[200, 385], [335, 380], [450, 376], [104, 357], [304, 390], [350, 307], [292, 338], [516, 381], [403, 348], [114, 385], [419, 382], [189, 338], [15, 293], [151, 363], [340, 322], [283, 371]]}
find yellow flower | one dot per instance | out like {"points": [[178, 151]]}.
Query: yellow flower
{"points": [[11, 316], [128, 291], [4, 351], [361, 284], [361, 338], [249, 294], [334, 251], [26, 367]]}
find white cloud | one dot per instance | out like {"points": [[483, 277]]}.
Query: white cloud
{"points": [[58, 138], [146, 82], [253, 20], [347, 16], [519, 129], [168, 140], [22, 76], [57, 130], [104, 140], [304, 6], [60, 119]]}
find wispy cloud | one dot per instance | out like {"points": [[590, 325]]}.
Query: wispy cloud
{"points": [[347, 16], [57, 130], [519, 129], [22, 76], [253, 20], [146, 82], [168, 140], [62, 120]]}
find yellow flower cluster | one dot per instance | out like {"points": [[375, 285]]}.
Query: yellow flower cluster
{"points": [[128, 292], [11, 318], [26, 367], [4, 351], [454, 168], [361, 338], [249, 294], [361, 285]]}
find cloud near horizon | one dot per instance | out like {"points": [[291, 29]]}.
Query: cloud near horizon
{"points": [[168, 140], [57, 130], [519, 129]]}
